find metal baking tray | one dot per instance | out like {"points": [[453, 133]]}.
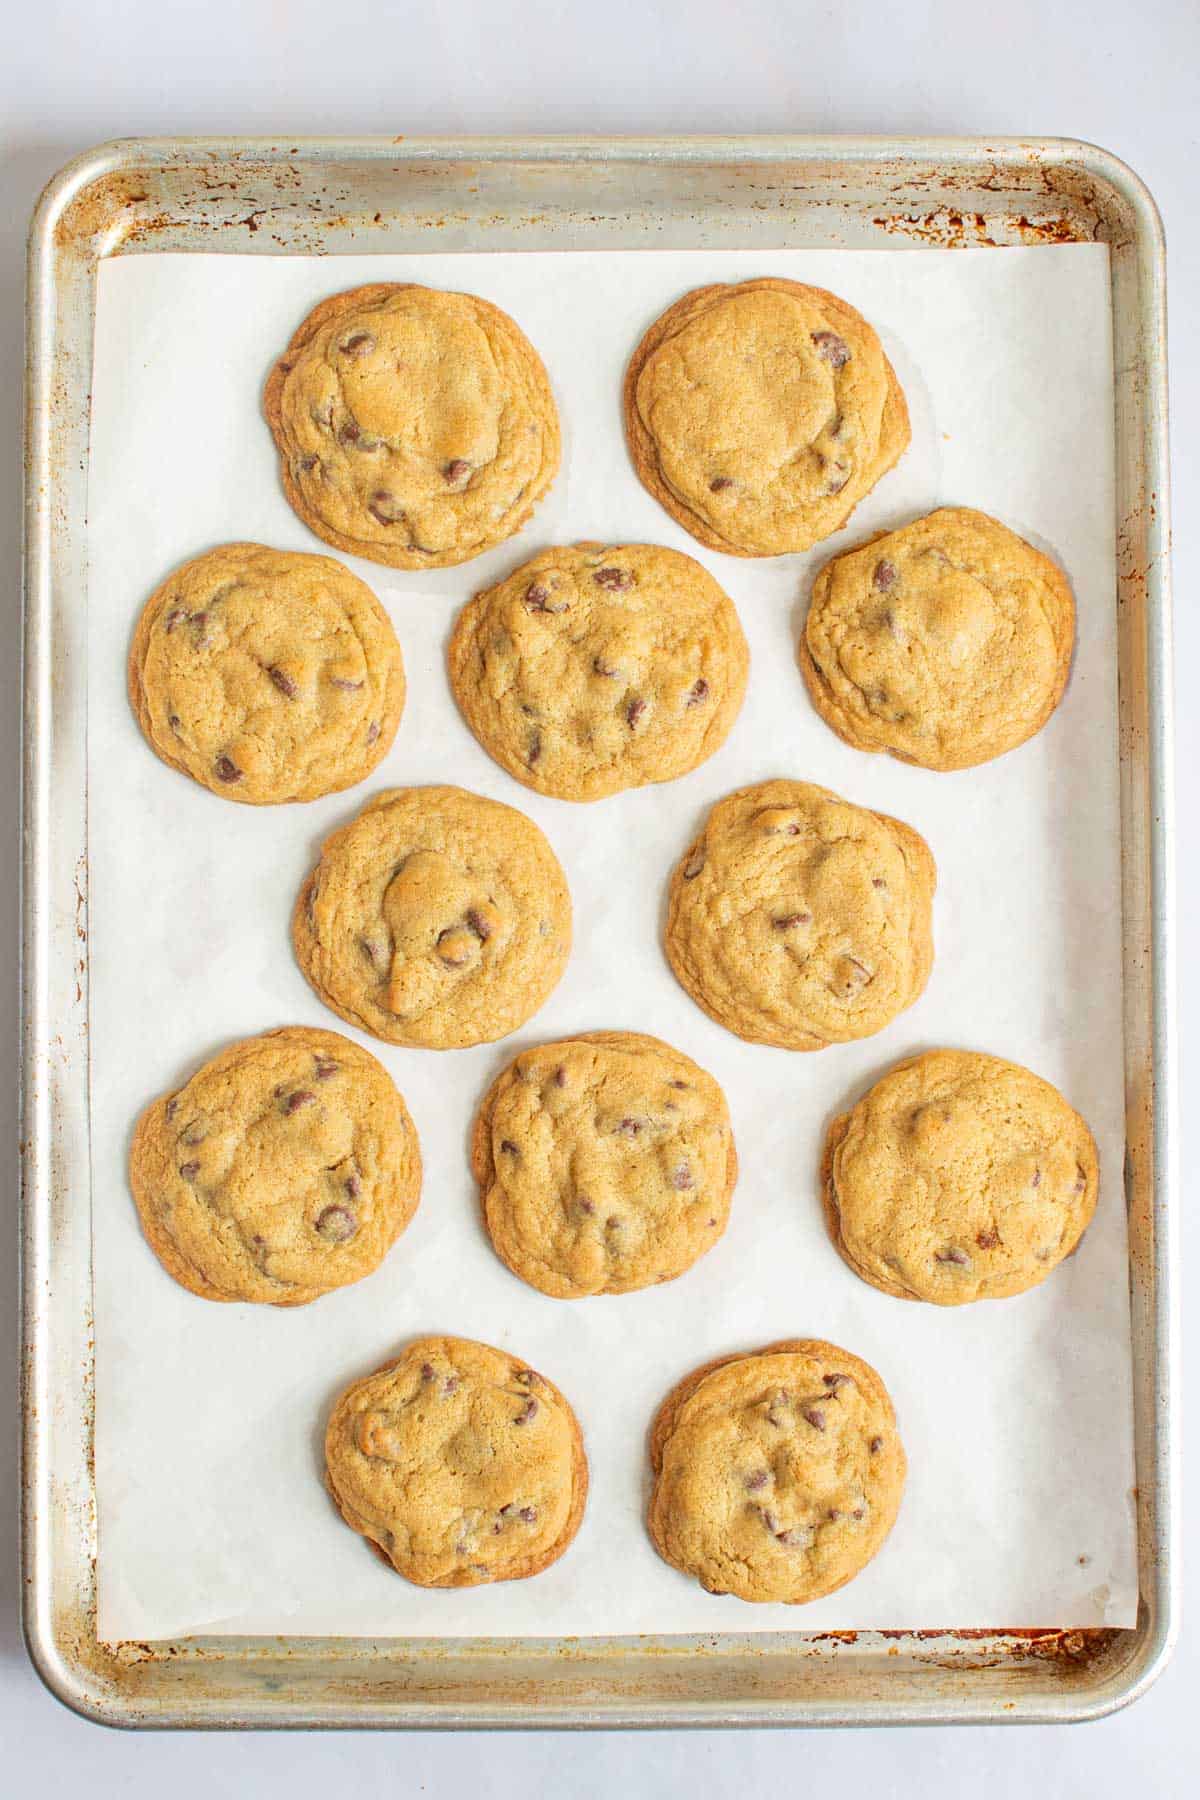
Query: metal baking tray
{"points": [[336, 195]]}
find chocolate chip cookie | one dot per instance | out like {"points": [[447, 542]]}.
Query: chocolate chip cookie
{"points": [[266, 675], [760, 413], [459, 1464], [777, 1475], [605, 1163], [945, 643], [799, 919], [435, 919], [286, 1166], [595, 668], [958, 1177], [414, 427]]}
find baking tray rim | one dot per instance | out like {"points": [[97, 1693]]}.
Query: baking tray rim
{"points": [[70, 1666]]}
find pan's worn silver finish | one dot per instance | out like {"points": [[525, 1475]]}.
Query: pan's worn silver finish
{"points": [[338, 195]]}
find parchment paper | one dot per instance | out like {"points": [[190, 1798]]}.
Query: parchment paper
{"points": [[1016, 1414]]}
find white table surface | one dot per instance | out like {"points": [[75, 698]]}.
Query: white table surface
{"points": [[75, 72]]}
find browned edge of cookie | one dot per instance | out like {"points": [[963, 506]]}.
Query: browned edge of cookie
{"points": [[821, 691], [834, 1138], [521, 1567], [642, 451], [374, 293], [148, 617], [483, 1165]]}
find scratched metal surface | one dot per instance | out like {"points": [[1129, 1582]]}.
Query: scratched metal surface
{"points": [[332, 196]]}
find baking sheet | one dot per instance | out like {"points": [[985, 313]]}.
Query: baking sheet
{"points": [[1016, 1415]]}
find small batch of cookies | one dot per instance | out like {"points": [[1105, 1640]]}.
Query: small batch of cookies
{"points": [[418, 428]]}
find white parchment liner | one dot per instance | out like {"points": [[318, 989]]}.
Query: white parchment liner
{"points": [[1016, 1414]]}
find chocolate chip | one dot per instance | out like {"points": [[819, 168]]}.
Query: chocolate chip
{"points": [[694, 863], [875, 1446], [189, 1170], [535, 748], [838, 479], [306, 464], [954, 1255], [295, 1101], [528, 1514], [457, 470], [684, 1085], [756, 1481], [683, 1178], [877, 881], [769, 1520], [628, 1127], [585, 1205], [1080, 1179], [612, 1223], [385, 507], [453, 947], [831, 348], [719, 483], [325, 1067], [789, 920], [352, 1186], [835, 1382], [1037, 1178], [359, 343], [536, 597], [450, 1385], [699, 691], [349, 433], [814, 1416], [195, 1134], [336, 1224], [227, 769], [885, 575], [173, 617], [606, 669], [634, 711], [834, 1513], [426, 1371], [373, 951], [796, 1534], [479, 925], [373, 731], [172, 1107], [860, 1512], [527, 1412], [987, 1240], [283, 682], [615, 580], [347, 686], [173, 721], [560, 1076], [527, 1377], [507, 1145]]}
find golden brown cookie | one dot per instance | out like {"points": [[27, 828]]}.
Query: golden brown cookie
{"points": [[760, 413], [595, 668], [266, 675], [436, 918], [605, 1163], [286, 1166], [777, 1475], [414, 427], [799, 919], [958, 1177], [945, 643], [459, 1464]]}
